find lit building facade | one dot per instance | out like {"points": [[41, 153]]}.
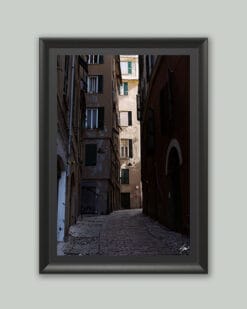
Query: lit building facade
{"points": [[130, 173]]}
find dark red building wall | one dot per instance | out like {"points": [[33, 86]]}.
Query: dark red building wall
{"points": [[165, 118]]}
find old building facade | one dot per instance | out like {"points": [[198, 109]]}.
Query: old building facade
{"points": [[130, 134], [71, 82], [163, 111], [100, 187]]}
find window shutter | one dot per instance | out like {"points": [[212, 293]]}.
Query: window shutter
{"points": [[90, 154], [88, 84], [101, 59], [122, 176], [121, 90], [127, 176], [124, 67], [125, 88], [129, 68], [101, 118], [124, 119], [130, 118], [100, 83], [130, 148]]}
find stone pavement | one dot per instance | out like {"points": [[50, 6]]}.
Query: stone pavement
{"points": [[83, 237], [122, 233]]}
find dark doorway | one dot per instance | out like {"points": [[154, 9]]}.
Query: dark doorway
{"points": [[174, 196], [88, 195], [125, 200]]}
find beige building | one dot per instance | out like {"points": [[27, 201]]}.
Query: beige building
{"points": [[100, 181], [130, 174]]}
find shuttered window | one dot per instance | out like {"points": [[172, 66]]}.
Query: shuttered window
{"points": [[91, 121], [124, 67], [126, 148], [129, 68], [124, 119], [126, 89], [90, 154], [123, 89], [124, 176], [95, 84], [94, 118], [95, 59]]}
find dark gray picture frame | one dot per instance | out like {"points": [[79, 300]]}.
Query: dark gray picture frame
{"points": [[197, 261]]}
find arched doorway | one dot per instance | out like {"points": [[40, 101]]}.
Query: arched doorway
{"points": [[61, 196], [174, 209]]}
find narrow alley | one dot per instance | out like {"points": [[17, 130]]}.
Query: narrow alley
{"points": [[122, 233], [123, 155]]}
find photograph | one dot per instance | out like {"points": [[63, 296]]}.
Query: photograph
{"points": [[123, 155], [123, 161]]}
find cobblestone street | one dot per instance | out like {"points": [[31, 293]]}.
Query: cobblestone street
{"points": [[123, 232]]}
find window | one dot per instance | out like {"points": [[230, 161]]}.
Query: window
{"points": [[125, 119], [90, 154], [130, 148], [129, 67], [94, 118], [126, 67], [124, 176], [95, 59], [126, 148], [123, 89], [95, 84], [91, 121], [130, 118]]}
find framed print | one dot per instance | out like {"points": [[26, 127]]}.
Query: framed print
{"points": [[123, 155]]}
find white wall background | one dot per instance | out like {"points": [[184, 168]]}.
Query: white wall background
{"points": [[21, 23]]}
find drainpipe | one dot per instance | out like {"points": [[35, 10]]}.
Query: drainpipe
{"points": [[71, 113]]}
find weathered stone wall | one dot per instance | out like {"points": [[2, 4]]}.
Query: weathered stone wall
{"points": [[166, 189], [70, 153], [104, 176]]}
